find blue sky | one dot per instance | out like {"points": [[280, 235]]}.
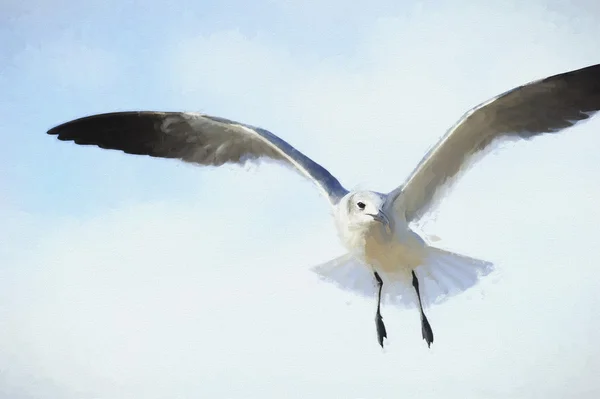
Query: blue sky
{"points": [[124, 277]]}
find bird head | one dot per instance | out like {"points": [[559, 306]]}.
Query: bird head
{"points": [[364, 209]]}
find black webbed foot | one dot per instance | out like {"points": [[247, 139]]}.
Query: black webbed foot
{"points": [[381, 332], [426, 330]]}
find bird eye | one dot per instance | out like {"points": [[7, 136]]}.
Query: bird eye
{"points": [[361, 205]]}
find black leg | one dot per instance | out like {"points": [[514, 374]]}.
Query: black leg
{"points": [[381, 333], [425, 327]]}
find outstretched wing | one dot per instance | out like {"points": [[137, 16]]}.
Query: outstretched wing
{"points": [[195, 138], [544, 106]]}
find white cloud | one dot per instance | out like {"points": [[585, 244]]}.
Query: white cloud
{"points": [[211, 295]]}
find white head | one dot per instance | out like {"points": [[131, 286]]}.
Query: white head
{"points": [[362, 210]]}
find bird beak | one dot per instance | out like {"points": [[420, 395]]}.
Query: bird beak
{"points": [[381, 217]]}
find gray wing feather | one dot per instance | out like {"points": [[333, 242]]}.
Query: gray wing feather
{"points": [[544, 106], [195, 138]]}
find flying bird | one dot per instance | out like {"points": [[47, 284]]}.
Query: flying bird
{"points": [[385, 258]]}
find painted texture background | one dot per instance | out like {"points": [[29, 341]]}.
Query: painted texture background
{"points": [[128, 277]]}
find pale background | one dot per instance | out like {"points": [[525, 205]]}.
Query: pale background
{"points": [[130, 277]]}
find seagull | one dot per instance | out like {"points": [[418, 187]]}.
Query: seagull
{"points": [[382, 251]]}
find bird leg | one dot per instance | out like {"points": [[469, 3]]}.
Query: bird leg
{"points": [[425, 326], [381, 333]]}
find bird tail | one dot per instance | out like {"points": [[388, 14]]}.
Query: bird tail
{"points": [[348, 273], [442, 275], [445, 274]]}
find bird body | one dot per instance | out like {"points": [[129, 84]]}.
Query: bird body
{"points": [[385, 257], [389, 246], [380, 240]]}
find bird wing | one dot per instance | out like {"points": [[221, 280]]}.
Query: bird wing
{"points": [[196, 138], [544, 106]]}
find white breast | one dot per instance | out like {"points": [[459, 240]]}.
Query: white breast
{"points": [[390, 251]]}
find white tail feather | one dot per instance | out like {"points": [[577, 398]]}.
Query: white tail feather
{"points": [[442, 275], [348, 273], [445, 274]]}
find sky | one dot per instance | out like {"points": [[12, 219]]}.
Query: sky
{"points": [[131, 277]]}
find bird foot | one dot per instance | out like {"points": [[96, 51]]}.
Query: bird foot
{"points": [[381, 332], [427, 332]]}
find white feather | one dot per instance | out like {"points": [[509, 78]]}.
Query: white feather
{"points": [[443, 275]]}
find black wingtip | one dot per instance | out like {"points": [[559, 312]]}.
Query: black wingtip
{"points": [[103, 117], [56, 131], [132, 132]]}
